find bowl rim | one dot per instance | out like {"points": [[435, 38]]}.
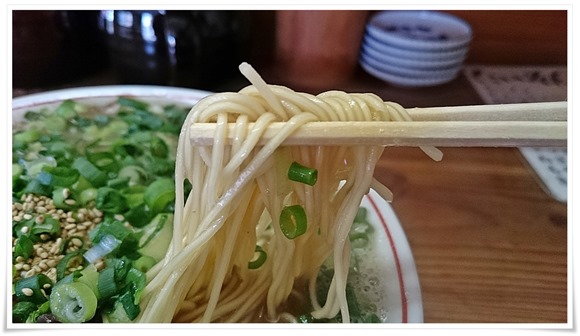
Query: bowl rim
{"points": [[100, 91], [374, 28]]}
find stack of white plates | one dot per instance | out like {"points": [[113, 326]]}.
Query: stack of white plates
{"points": [[415, 48]]}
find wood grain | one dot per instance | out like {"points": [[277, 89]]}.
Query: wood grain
{"points": [[489, 244]]}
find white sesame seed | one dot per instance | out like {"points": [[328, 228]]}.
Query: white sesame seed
{"points": [[43, 265], [27, 291]]}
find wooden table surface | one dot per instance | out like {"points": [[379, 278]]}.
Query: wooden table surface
{"points": [[490, 246]]}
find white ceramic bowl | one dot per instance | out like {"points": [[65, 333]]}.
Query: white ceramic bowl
{"points": [[394, 261], [420, 30]]}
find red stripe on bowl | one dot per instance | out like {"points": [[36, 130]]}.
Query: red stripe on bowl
{"points": [[404, 311]]}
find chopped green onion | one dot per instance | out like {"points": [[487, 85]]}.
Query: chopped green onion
{"points": [[302, 174], [31, 288], [293, 221], [17, 170], [134, 173], [89, 171], [58, 176], [67, 261], [88, 195], [103, 160], [129, 102], [21, 310], [23, 247], [77, 160], [159, 194], [27, 136], [259, 260], [60, 198], [42, 309], [361, 229], [54, 124], [358, 239], [127, 237], [145, 263], [127, 299], [37, 188], [90, 277], [105, 246], [67, 110], [159, 148], [122, 267], [361, 215], [73, 302], [106, 284], [118, 183], [136, 279], [50, 226], [138, 216], [110, 200]]}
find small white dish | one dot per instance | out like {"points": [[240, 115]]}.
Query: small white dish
{"points": [[409, 72], [419, 55], [420, 30], [403, 81], [410, 63]]}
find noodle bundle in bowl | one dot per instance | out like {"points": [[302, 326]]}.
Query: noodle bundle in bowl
{"points": [[249, 240]]}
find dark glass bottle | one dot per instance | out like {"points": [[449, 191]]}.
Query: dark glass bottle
{"points": [[198, 49]]}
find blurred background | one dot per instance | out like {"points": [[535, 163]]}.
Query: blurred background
{"points": [[310, 50]]}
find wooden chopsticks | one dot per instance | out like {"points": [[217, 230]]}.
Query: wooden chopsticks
{"points": [[503, 125]]}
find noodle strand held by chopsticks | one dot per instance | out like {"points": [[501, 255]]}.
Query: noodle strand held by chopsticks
{"points": [[238, 193]]}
